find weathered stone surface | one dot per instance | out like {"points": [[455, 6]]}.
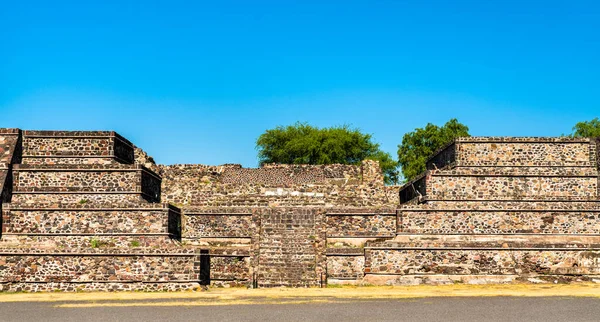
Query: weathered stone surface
{"points": [[80, 213], [482, 262], [277, 185], [76, 147], [499, 222], [345, 267], [361, 225], [291, 250]]}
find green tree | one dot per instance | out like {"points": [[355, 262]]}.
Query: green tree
{"points": [[422, 143], [305, 144], [587, 129]]}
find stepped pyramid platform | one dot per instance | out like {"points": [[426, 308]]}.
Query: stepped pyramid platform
{"points": [[496, 209], [87, 210], [83, 215]]}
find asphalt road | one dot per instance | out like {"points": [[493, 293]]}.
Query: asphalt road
{"points": [[431, 309]]}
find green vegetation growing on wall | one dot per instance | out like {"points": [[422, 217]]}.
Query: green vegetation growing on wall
{"points": [[305, 144], [419, 145]]}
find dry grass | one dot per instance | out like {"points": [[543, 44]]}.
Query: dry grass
{"points": [[242, 296]]}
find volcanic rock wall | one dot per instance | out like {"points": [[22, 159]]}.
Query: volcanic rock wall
{"points": [[83, 216], [83, 211], [497, 209], [231, 185]]}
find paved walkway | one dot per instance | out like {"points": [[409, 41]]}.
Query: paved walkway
{"points": [[544, 309]]}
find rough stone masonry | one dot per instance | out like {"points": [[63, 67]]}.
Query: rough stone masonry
{"points": [[88, 210]]}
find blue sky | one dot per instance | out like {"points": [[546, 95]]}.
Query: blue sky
{"points": [[199, 81]]}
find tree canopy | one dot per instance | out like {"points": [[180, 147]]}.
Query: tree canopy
{"points": [[305, 144], [419, 145], [587, 129]]}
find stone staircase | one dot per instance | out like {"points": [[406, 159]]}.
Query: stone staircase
{"points": [[83, 215], [291, 248]]}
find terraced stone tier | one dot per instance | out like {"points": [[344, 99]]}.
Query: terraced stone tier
{"points": [[518, 171], [443, 205], [493, 241], [89, 242], [227, 225], [325, 197], [230, 269], [361, 223], [403, 261], [45, 199], [345, 263], [480, 168], [76, 147], [85, 179], [523, 221], [97, 267], [76, 219], [121, 286], [514, 151], [523, 255], [443, 186]]}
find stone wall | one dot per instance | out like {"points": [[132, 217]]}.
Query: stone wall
{"points": [[76, 147], [499, 222], [232, 270], [86, 179], [82, 221], [276, 185], [83, 215], [345, 266], [361, 223], [88, 242], [510, 151], [199, 225], [485, 261], [442, 187], [105, 271]]}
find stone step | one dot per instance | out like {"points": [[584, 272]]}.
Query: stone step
{"points": [[97, 267], [538, 221], [76, 219], [47, 199], [89, 242], [489, 241], [459, 187], [523, 262], [41, 180], [517, 171], [510, 151], [76, 147], [430, 204]]}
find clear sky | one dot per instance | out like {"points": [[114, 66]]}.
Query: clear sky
{"points": [[199, 81]]}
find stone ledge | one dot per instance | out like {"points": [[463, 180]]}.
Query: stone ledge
{"points": [[345, 252], [495, 210], [90, 207], [10, 131], [494, 204], [532, 248], [74, 134], [520, 139], [217, 214], [97, 254], [83, 168], [87, 234]]}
